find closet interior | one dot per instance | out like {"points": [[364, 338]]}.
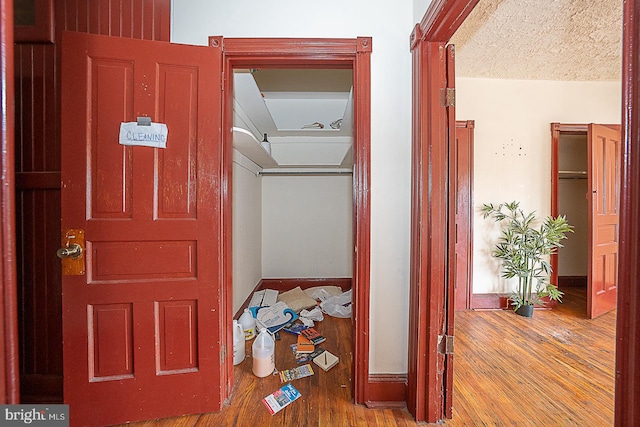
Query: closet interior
{"points": [[572, 202], [292, 179]]}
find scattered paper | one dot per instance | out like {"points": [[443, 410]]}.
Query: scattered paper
{"points": [[281, 398]]}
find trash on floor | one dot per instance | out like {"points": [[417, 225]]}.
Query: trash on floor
{"points": [[262, 298], [305, 357], [248, 323], [297, 299], [296, 373], [308, 318], [238, 343], [326, 360], [338, 306], [275, 317], [263, 353], [312, 335], [281, 398]]}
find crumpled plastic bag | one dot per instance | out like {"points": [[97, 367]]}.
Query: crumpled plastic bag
{"points": [[338, 306], [308, 317], [320, 295]]}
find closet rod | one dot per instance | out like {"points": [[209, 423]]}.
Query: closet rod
{"points": [[572, 175], [305, 173]]}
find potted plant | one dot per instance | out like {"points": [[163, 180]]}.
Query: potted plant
{"points": [[524, 251]]}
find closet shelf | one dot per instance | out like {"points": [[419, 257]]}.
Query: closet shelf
{"points": [[250, 147], [572, 174]]}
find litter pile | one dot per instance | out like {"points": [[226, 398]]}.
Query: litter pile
{"points": [[294, 312]]}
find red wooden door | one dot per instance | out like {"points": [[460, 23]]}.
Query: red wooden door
{"points": [[446, 342], [604, 202], [141, 327], [431, 308], [463, 185]]}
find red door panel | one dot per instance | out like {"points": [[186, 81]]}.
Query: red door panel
{"points": [[604, 202], [462, 185], [451, 187], [141, 327]]}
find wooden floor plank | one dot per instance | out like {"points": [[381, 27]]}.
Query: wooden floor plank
{"points": [[556, 369]]}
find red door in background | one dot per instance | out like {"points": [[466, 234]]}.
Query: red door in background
{"points": [[141, 326], [462, 186], [604, 203]]}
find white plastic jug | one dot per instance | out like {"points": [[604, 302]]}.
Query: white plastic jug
{"points": [[238, 343], [248, 323], [263, 351]]}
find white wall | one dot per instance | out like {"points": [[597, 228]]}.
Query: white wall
{"points": [[419, 9], [289, 227], [512, 147], [247, 229], [389, 24], [307, 226]]}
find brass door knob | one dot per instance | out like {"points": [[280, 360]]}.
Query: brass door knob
{"points": [[73, 251]]}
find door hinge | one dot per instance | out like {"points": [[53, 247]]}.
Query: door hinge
{"points": [[223, 353], [445, 344], [448, 98]]}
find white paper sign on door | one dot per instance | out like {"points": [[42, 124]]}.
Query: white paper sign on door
{"points": [[152, 135]]}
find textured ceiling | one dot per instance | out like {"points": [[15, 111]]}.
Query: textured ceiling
{"points": [[541, 40]]}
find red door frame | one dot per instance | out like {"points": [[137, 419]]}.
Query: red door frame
{"points": [[627, 400], [9, 372], [556, 130], [463, 200], [429, 370], [304, 53], [429, 220], [439, 23]]}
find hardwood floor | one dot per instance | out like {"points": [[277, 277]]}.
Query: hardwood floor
{"points": [[556, 369]]}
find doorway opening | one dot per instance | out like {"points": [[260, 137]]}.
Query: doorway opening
{"points": [[292, 169], [569, 197], [292, 188], [585, 187], [439, 24]]}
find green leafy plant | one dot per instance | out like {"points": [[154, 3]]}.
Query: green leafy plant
{"points": [[524, 251]]}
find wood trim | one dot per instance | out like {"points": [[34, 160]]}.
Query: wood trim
{"points": [[361, 218], [448, 207], [430, 212], [286, 284], [9, 374], [387, 391], [501, 302], [245, 304], [555, 147], [318, 53], [490, 301], [443, 17], [429, 222], [627, 393]]}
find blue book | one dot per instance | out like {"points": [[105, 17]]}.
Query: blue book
{"points": [[294, 328], [281, 398]]}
